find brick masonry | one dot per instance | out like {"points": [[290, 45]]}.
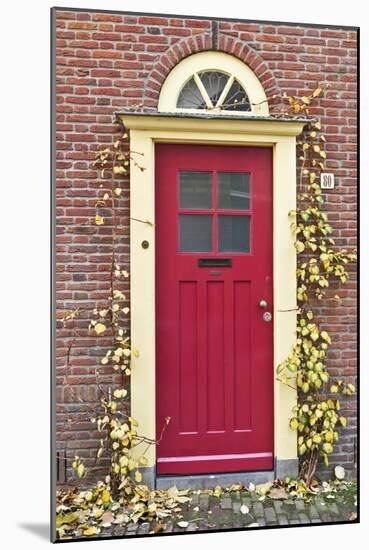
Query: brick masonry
{"points": [[108, 62]]}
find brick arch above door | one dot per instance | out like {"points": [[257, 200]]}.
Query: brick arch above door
{"points": [[200, 43]]}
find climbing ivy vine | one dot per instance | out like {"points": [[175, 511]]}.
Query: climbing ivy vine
{"points": [[119, 438], [317, 416]]}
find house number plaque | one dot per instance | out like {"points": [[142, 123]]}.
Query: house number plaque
{"points": [[326, 181]]}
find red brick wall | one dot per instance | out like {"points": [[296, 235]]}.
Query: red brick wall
{"points": [[106, 62]]}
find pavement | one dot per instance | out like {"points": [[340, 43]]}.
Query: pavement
{"points": [[242, 510]]}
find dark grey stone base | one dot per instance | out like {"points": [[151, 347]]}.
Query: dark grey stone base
{"points": [[286, 468], [148, 476], [209, 481], [282, 469]]}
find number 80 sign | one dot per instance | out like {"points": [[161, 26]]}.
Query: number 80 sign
{"points": [[327, 181]]}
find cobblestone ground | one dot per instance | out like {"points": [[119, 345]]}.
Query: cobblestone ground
{"points": [[206, 513]]}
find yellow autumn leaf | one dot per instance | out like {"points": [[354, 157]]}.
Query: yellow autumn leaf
{"points": [[138, 476], [105, 497], [329, 437], [325, 336], [314, 335], [305, 387], [100, 328], [343, 421], [118, 191], [119, 170], [68, 518], [294, 423], [99, 220], [90, 531], [118, 394], [300, 247], [327, 448], [317, 92], [81, 471]]}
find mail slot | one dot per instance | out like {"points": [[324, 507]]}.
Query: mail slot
{"points": [[215, 262]]}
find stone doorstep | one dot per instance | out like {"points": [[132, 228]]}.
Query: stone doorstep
{"points": [[209, 481], [282, 468]]}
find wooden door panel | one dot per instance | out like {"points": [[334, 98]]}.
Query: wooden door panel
{"points": [[214, 351]]}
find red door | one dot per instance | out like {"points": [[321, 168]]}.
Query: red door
{"points": [[214, 340]]}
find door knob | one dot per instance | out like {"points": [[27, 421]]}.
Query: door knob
{"points": [[267, 316], [263, 304]]}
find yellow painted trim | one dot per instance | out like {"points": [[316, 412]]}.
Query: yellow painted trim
{"points": [[217, 61], [144, 132]]}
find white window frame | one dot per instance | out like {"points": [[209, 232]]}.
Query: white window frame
{"points": [[212, 61]]}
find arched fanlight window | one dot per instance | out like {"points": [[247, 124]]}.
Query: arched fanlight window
{"points": [[214, 82], [213, 90]]}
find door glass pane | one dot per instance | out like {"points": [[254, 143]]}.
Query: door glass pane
{"points": [[234, 190], [195, 233], [234, 233], [195, 189]]}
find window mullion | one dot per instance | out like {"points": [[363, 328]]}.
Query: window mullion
{"points": [[203, 91], [225, 91]]}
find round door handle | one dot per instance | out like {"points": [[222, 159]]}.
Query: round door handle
{"points": [[263, 304]]}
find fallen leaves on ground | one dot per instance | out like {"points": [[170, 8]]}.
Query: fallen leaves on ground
{"points": [[278, 493], [84, 513], [183, 524], [89, 512]]}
